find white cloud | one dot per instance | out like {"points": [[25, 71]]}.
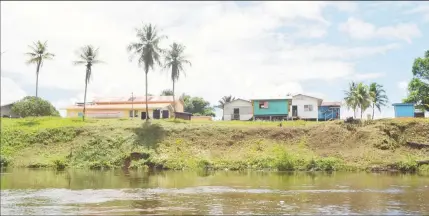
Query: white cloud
{"points": [[420, 9], [367, 76], [403, 85], [359, 29], [243, 51], [10, 91]]}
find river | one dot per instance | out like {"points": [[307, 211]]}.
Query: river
{"points": [[39, 192]]}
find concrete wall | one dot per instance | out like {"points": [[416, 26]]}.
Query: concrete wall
{"points": [[201, 118], [404, 110], [275, 107], [245, 110], [119, 113], [6, 111], [300, 101]]}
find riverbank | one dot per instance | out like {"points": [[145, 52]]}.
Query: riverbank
{"points": [[61, 143]]}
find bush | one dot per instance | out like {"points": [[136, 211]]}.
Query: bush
{"points": [[34, 106]]}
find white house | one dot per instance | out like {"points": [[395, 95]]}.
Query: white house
{"points": [[238, 109], [305, 107]]}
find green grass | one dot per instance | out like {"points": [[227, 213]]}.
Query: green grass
{"points": [[233, 145]]}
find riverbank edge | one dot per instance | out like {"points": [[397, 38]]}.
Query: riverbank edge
{"points": [[56, 147]]}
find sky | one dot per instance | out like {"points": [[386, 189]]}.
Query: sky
{"points": [[245, 49]]}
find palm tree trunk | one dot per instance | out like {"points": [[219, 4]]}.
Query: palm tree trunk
{"points": [[37, 78], [84, 100], [174, 102], [147, 107], [361, 113], [373, 111]]}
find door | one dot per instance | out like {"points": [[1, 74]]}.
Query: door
{"points": [[143, 115], [156, 114], [294, 111], [165, 114], [236, 115]]}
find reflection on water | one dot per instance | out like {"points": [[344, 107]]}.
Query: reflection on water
{"points": [[26, 191]]}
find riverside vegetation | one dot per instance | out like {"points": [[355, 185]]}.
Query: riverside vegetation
{"points": [[166, 144]]}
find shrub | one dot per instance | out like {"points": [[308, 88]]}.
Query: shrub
{"points": [[34, 106]]}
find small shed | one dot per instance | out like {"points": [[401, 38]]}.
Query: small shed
{"points": [[403, 110], [183, 115], [238, 109]]}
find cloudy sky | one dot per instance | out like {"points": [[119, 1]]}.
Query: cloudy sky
{"points": [[247, 49]]}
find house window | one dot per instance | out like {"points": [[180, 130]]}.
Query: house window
{"points": [[136, 114], [308, 108], [263, 104]]}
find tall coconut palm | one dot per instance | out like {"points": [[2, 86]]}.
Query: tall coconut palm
{"points": [[39, 53], [351, 98], [223, 101], [88, 56], [175, 59], [147, 50], [378, 97], [363, 97]]}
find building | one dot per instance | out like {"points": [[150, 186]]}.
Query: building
{"points": [[122, 107], [329, 111], [305, 107], [238, 109], [271, 109], [404, 110], [6, 111]]}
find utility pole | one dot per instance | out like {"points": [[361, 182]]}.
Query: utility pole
{"points": [[132, 104]]}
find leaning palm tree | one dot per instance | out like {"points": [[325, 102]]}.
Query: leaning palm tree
{"points": [[351, 98], [378, 97], [223, 101], [148, 51], [39, 53], [175, 59], [363, 97], [88, 56]]}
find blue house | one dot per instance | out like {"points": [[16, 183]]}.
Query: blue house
{"points": [[271, 109], [404, 109], [329, 111]]}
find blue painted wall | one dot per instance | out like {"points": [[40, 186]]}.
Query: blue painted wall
{"points": [[404, 110], [275, 107], [323, 109]]}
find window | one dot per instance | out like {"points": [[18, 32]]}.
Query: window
{"points": [[136, 113], [308, 108], [263, 104]]}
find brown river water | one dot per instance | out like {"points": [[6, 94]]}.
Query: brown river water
{"points": [[83, 192]]}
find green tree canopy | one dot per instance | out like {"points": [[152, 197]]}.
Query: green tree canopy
{"points": [[34, 106], [167, 92], [418, 88], [197, 106]]}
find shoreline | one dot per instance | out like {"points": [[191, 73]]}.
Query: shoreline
{"points": [[371, 146]]}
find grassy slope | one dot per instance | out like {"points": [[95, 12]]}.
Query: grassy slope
{"points": [[297, 145]]}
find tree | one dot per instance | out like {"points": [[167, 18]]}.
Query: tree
{"points": [[39, 53], [223, 101], [418, 88], [363, 98], [378, 97], [197, 106], [34, 106], [167, 92], [147, 50], [175, 60], [88, 56], [351, 98]]}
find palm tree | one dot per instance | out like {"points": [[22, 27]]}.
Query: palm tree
{"points": [[351, 99], [88, 56], [148, 51], [175, 60], [223, 101], [362, 97], [378, 97], [39, 53]]}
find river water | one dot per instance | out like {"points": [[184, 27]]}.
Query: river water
{"points": [[40, 192]]}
